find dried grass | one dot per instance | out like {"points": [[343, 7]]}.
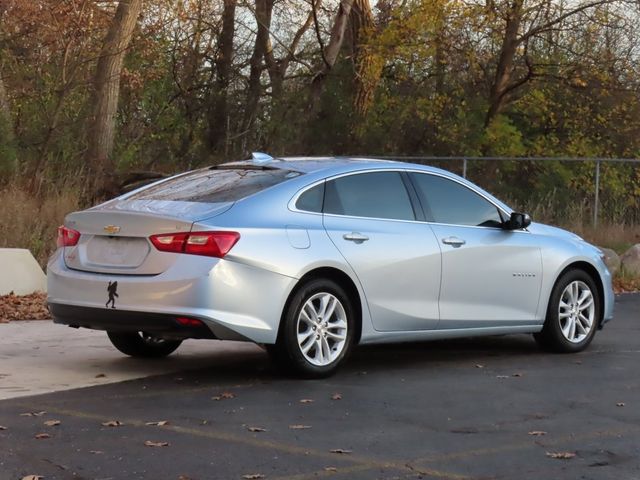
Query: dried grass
{"points": [[28, 221]]}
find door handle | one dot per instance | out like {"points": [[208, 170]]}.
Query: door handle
{"points": [[355, 237], [453, 241]]}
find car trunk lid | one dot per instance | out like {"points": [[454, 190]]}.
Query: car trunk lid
{"points": [[114, 237]]}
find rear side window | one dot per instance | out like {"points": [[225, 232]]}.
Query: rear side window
{"points": [[215, 186], [374, 195], [446, 201], [311, 200]]}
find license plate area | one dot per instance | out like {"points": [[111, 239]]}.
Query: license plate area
{"points": [[117, 252]]}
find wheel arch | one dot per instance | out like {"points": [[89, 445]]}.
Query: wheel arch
{"points": [[592, 271], [342, 279]]}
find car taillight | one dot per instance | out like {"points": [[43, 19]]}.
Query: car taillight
{"points": [[67, 237], [209, 244]]}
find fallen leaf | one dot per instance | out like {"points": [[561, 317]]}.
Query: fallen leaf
{"points": [[306, 400], [251, 476], [299, 427], [23, 307], [620, 404], [336, 396], [112, 423], [256, 429], [537, 433], [96, 452], [517, 374], [2, 427], [502, 376], [161, 423], [52, 423], [32, 414], [330, 469], [479, 365], [149, 443], [42, 436], [340, 451], [100, 375], [224, 396], [561, 455], [33, 477]]}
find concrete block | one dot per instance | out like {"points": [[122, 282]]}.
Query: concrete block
{"points": [[20, 272]]}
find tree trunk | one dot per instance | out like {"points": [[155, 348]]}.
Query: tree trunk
{"points": [[504, 70], [218, 103], [331, 51], [105, 97], [264, 9], [8, 158], [368, 64]]}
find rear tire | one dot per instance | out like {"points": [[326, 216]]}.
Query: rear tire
{"points": [[573, 314], [317, 332], [142, 345]]}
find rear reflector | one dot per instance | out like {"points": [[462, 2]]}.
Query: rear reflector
{"points": [[189, 322], [67, 237], [209, 244]]}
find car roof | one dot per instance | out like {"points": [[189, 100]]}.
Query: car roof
{"points": [[329, 166], [317, 164]]}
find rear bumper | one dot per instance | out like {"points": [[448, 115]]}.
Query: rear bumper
{"points": [[166, 326], [234, 300]]}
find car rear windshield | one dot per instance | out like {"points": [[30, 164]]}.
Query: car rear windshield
{"points": [[215, 186]]}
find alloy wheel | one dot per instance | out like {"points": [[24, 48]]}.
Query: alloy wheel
{"points": [[576, 311], [322, 329]]}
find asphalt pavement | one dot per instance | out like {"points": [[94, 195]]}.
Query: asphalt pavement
{"points": [[470, 409]]}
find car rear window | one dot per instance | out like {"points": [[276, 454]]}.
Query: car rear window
{"points": [[215, 186]]}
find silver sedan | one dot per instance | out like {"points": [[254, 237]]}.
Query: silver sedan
{"points": [[312, 256]]}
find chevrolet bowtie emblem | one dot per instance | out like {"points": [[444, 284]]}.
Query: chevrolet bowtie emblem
{"points": [[111, 229]]}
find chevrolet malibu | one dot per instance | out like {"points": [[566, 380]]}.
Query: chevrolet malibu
{"points": [[313, 256]]}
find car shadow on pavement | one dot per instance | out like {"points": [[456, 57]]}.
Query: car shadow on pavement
{"points": [[255, 366]]}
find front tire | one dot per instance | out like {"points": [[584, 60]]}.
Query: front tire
{"points": [[318, 329], [142, 345], [573, 314]]}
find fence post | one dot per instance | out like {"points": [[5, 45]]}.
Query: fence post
{"points": [[596, 200], [464, 168]]}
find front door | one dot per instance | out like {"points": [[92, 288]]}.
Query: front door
{"points": [[491, 277]]}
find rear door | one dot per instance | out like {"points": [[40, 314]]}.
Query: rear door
{"points": [[371, 220], [491, 277]]}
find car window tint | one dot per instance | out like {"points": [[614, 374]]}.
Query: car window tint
{"points": [[446, 201], [214, 186], [311, 200], [375, 195]]}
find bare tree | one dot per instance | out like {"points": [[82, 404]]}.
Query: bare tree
{"points": [[106, 93], [218, 102], [332, 50], [263, 12]]}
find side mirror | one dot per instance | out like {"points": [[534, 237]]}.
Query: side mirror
{"points": [[517, 221]]}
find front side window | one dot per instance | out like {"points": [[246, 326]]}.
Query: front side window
{"points": [[446, 201], [373, 195]]}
